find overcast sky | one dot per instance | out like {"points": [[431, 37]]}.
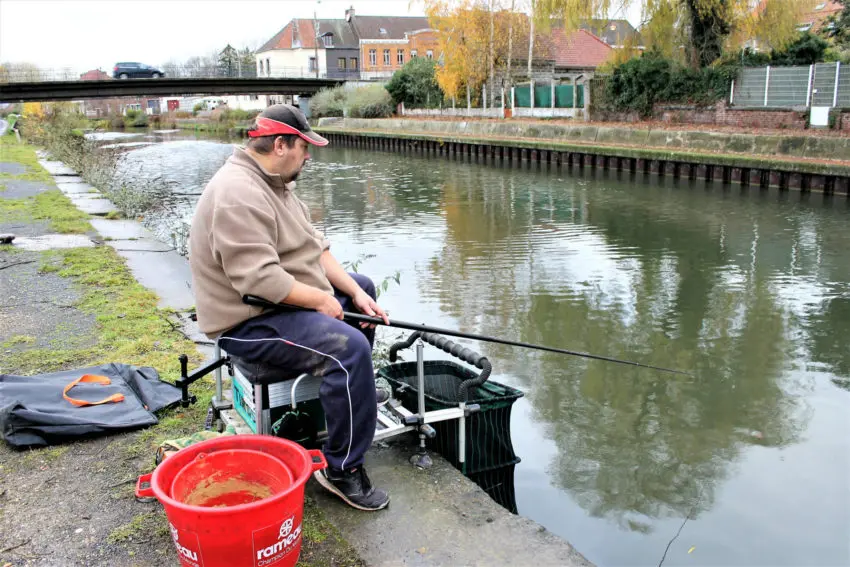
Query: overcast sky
{"points": [[87, 34]]}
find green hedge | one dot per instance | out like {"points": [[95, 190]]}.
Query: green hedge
{"points": [[638, 84]]}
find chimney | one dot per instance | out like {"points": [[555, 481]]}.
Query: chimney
{"points": [[349, 14]]}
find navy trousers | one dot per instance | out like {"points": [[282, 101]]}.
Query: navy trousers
{"points": [[341, 353]]}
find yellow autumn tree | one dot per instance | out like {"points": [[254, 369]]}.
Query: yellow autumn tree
{"points": [[773, 24], [479, 42], [695, 30], [463, 33]]}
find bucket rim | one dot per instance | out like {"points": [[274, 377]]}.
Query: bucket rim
{"points": [[222, 453], [220, 443]]}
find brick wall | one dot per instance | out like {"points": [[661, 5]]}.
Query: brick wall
{"points": [[722, 115], [773, 118]]}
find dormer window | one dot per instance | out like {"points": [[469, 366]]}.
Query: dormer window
{"points": [[382, 31], [328, 40], [820, 6]]}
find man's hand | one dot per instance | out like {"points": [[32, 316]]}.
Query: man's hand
{"points": [[330, 307], [367, 306]]}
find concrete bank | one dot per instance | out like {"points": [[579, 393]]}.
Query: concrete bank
{"points": [[792, 162], [437, 517]]}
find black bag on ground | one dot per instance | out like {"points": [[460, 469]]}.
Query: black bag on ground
{"points": [[35, 410]]}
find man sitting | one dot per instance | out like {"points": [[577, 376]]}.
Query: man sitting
{"points": [[251, 235]]}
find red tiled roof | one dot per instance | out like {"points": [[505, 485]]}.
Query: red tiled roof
{"points": [[297, 30], [367, 27], [581, 50]]}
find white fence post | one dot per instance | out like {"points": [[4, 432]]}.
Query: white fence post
{"points": [[835, 91], [809, 86], [732, 93], [552, 105], [513, 101], [484, 97], [766, 83], [531, 89]]}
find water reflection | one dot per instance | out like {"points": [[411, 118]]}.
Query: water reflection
{"points": [[633, 443], [746, 290]]}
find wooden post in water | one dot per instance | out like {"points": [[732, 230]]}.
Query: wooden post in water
{"points": [[828, 184]]}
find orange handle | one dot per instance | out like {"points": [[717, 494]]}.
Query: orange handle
{"points": [[319, 461], [143, 486], [92, 379]]}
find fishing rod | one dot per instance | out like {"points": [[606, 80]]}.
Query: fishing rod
{"points": [[359, 317]]}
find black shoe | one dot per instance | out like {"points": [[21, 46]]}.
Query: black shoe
{"points": [[382, 395], [354, 487]]}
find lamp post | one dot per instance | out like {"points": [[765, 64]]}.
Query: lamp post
{"points": [[316, 38]]}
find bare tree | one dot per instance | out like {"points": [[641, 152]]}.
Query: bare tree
{"points": [[172, 68]]}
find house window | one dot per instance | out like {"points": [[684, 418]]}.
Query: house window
{"points": [[253, 97], [268, 69], [340, 63], [373, 57], [400, 57], [804, 27], [260, 64], [352, 63], [312, 65], [429, 54], [328, 40], [413, 54], [387, 57], [820, 6]]}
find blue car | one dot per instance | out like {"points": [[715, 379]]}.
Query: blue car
{"points": [[130, 70]]}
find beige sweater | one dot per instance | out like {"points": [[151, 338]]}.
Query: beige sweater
{"points": [[250, 235]]}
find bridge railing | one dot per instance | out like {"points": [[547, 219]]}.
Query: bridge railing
{"points": [[29, 74]]}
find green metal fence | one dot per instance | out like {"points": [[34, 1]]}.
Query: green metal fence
{"points": [[543, 96]]}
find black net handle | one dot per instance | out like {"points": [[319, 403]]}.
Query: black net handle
{"points": [[458, 351]]}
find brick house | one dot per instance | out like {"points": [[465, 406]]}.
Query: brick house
{"points": [[816, 19], [369, 47], [388, 42]]}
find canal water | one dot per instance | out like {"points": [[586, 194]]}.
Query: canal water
{"points": [[745, 463]]}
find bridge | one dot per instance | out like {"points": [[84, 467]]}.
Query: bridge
{"points": [[41, 91]]}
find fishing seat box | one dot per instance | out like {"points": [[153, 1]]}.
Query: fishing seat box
{"points": [[276, 385]]}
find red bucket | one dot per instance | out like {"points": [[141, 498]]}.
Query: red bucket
{"points": [[251, 532]]}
